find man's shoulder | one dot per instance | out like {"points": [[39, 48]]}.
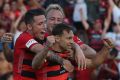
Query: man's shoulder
{"points": [[24, 37], [25, 40]]}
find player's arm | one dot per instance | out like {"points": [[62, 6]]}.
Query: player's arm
{"points": [[8, 52], [79, 56], [101, 55], [42, 52], [99, 59], [63, 62], [88, 51]]}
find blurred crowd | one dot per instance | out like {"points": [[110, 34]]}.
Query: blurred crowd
{"points": [[93, 20]]}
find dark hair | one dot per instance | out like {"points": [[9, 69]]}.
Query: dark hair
{"points": [[114, 52], [59, 28], [29, 16]]}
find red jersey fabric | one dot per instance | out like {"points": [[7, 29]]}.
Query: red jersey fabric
{"points": [[60, 77], [23, 57], [83, 74]]}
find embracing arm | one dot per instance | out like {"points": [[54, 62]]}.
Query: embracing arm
{"points": [[88, 51], [101, 55], [99, 59], [40, 57]]}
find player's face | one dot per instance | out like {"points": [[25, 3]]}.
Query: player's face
{"points": [[39, 27], [54, 17], [97, 26], [66, 40]]}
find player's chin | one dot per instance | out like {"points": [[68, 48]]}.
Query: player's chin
{"points": [[41, 37]]}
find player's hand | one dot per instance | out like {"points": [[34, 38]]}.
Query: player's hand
{"points": [[80, 57], [67, 65], [7, 37], [108, 43], [81, 61], [50, 41]]}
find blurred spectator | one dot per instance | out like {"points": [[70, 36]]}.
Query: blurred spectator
{"points": [[109, 70], [79, 5], [10, 45], [1, 5], [7, 40], [62, 3], [5, 67], [15, 9], [6, 17], [93, 9], [69, 10], [103, 7], [115, 10], [94, 33], [77, 20], [2, 31], [115, 36], [33, 4]]}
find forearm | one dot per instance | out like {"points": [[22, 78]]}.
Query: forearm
{"points": [[77, 49], [100, 57], [40, 57], [88, 51], [8, 53]]}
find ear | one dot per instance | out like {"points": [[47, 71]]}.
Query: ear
{"points": [[29, 26], [57, 38]]}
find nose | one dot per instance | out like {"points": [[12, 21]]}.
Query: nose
{"points": [[56, 21], [71, 41]]}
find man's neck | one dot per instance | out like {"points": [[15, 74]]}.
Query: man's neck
{"points": [[29, 32]]}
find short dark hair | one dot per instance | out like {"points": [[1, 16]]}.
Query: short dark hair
{"points": [[29, 16], [59, 28], [114, 52]]}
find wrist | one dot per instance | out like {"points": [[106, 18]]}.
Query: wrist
{"points": [[48, 44], [108, 44]]}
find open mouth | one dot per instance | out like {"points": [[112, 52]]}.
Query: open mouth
{"points": [[43, 32]]}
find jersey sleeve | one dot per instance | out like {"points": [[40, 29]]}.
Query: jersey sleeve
{"points": [[77, 40], [27, 40], [30, 43]]}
